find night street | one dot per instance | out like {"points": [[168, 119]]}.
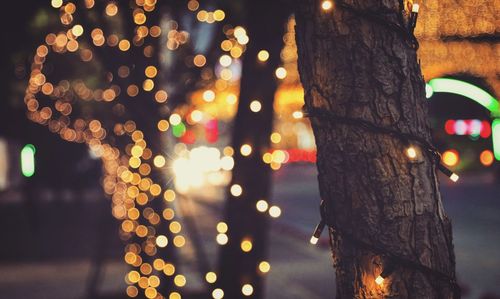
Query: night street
{"points": [[299, 269], [175, 149]]}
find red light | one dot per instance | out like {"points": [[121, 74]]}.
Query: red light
{"points": [[189, 137], [486, 129], [211, 131], [449, 127]]}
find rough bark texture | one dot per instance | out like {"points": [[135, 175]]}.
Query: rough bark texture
{"points": [[236, 268], [354, 67]]}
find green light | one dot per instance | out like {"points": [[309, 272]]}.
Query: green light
{"points": [[179, 130], [28, 160], [464, 89], [495, 135]]}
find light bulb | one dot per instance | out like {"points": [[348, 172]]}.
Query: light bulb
{"points": [[415, 7], [379, 280], [327, 5], [317, 232], [411, 152], [453, 176]]}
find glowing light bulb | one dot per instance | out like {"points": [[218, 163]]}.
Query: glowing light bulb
{"points": [[264, 267], [274, 211], [208, 96], [453, 176], [246, 245], [255, 106], [161, 241], [415, 7], [297, 114], [411, 152], [246, 150], [263, 55], [218, 294], [262, 205], [222, 239], [317, 232], [379, 280], [281, 73], [326, 5], [211, 277], [175, 119], [247, 289], [236, 190]]}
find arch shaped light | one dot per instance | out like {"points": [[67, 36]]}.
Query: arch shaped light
{"points": [[474, 93]]}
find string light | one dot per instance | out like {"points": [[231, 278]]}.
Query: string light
{"points": [[263, 55], [246, 245], [453, 176], [246, 150], [413, 17], [411, 152], [255, 106], [317, 232], [327, 5], [236, 190], [264, 267], [275, 211], [247, 289], [211, 277], [262, 205], [330, 117], [388, 270], [281, 73], [218, 294]]}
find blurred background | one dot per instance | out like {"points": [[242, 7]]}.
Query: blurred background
{"points": [[63, 217]]}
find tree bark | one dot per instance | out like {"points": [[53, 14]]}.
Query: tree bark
{"points": [[265, 28], [384, 209]]}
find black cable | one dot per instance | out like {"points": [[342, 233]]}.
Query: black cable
{"points": [[407, 138], [405, 34]]}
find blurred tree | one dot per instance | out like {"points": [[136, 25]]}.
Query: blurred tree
{"points": [[248, 227], [365, 95], [99, 79]]}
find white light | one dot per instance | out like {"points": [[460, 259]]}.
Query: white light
{"points": [[327, 5], [225, 60], [262, 205], [297, 114], [281, 73], [218, 294], [175, 119], [246, 150], [196, 115], [314, 240], [411, 152], [454, 177], [247, 289], [255, 106], [415, 8], [460, 127], [379, 280], [222, 239], [236, 190], [227, 163], [209, 95], [274, 211]]}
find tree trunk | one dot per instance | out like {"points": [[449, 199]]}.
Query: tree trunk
{"points": [[384, 209], [237, 268]]}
